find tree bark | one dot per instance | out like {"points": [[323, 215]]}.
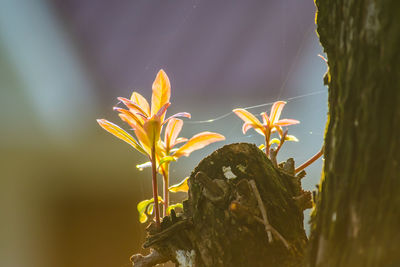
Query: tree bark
{"points": [[357, 217]]}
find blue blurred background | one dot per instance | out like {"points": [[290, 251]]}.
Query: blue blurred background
{"points": [[68, 189]]}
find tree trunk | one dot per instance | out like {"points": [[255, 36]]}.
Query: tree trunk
{"points": [[357, 217]]}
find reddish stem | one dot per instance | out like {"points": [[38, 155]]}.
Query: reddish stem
{"points": [[155, 189], [267, 135], [282, 141], [310, 161]]}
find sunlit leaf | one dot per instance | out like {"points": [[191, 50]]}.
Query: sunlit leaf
{"points": [[141, 135], [265, 119], [172, 131], [144, 165], [274, 141], [197, 142], [143, 206], [179, 140], [152, 128], [276, 110], [133, 107], [178, 115], [161, 112], [121, 134], [130, 118], [246, 126], [141, 102], [150, 209], [291, 138], [174, 206], [161, 92], [166, 159], [261, 147], [249, 119], [180, 187], [286, 122]]}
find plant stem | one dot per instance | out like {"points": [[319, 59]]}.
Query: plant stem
{"points": [[155, 189], [267, 144], [283, 137], [310, 161], [165, 172]]}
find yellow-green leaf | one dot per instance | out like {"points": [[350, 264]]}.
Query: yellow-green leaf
{"points": [[161, 92], [142, 207], [180, 187], [197, 142], [174, 206], [291, 138], [274, 141], [121, 134], [166, 159]]}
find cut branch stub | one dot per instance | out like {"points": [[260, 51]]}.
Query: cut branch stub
{"points": [[241, 211]]}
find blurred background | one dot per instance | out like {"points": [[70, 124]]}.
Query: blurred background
{"points": [[68, 189]]}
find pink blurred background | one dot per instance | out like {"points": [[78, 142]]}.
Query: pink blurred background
{"points": [[68, 189]]}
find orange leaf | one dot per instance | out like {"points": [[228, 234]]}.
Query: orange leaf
{"points": [[276, 111], [248, 118], [178, 141], [172, 131], [286, 122], [161, 92], [246, 126], [141, 102], [197, 142], [140, 133], [265, 119], [180, 114], [161, 112], [152, 128], [121, 134], [133, 107], [130, 118]]}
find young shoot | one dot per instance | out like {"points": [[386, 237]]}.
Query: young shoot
{"points": [[272, 124], [269, 125], [147, 123]]}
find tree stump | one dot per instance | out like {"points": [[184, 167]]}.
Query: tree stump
{"points": [[241, 211]]}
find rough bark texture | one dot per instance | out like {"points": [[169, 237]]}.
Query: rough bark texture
{"points": [[223, 224], [357, 218]]}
